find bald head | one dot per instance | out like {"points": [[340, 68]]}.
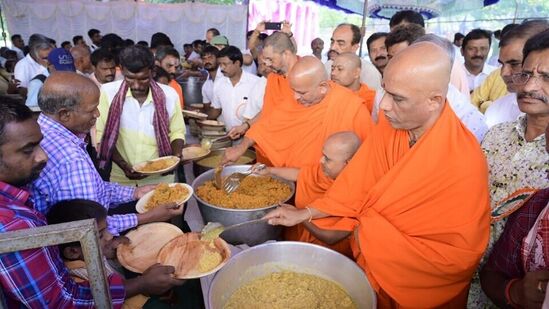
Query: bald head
{"points": [[338, 150], [416, 82], [82, 61], [308, 80], [346, 70], [71, 99]]}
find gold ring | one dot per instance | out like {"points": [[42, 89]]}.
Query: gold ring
{"points": [[540, 286]]}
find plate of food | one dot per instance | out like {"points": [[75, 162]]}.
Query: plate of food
{"points": [[193, 114], [194, 152], [211, 125], [193, 257], [157, 166], [164, 194], [146, 241]]}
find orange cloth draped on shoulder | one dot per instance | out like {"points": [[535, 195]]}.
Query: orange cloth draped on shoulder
{"points": [[423, 212], [175, 85], [311, 185], [368, 95], [289, 134]]}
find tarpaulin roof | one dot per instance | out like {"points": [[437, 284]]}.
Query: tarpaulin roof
{"points": [[386, 8]]}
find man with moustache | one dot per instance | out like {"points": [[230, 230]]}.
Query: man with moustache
{"points": [[104, 67], [231, 92], [377, 50], [475, 49], [139, 120], [317, 45], [346, 38], [167, 58], [70, 173], [515, 150], [506, 108]]}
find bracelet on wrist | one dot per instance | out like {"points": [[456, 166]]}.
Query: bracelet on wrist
{"points": [[310, 214], [508, 298], [248, 124]]}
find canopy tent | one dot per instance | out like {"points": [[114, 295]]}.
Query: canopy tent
{"points": [[386, 8]]}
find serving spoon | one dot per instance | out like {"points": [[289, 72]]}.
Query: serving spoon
{"points": [[212, 230]]}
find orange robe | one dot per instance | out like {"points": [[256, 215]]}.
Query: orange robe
{"points": [[368, 95], [311, 185], [422, 212], [175, 85], [288, 134]]}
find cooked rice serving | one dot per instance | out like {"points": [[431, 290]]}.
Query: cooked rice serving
{"points": [[163, 194], [254, 192], [158, 165]]}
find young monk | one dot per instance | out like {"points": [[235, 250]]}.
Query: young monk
{"points": [[346, 70], [312, 182], [417, 188], [74, 210]]}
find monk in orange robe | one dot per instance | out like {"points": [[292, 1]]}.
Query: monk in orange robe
{"points": [[292, 128], [346, 70], [312, 182], [417, 190]]}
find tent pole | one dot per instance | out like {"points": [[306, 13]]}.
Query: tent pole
{"points": [[3, 29], [363, 27]]}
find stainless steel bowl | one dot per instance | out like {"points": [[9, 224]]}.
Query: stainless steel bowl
{"points": [[300, 257], [199, 169], [250, 234]]}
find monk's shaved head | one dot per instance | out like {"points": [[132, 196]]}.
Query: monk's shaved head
{"points": [[416, 83], [308, 80], [338, 149], [346, 70], [71, 99]]}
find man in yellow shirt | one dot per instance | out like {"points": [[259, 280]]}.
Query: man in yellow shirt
{"points": [[490, 90], [140, 120]]}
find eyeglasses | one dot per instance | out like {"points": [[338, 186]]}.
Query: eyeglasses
{"points": [[523, 78]]}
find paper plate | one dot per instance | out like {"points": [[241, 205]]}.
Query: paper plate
{"points": [[145, 244], [184, 253], [194, 152], [211, 123], [140, 206], [193, 114], [173, 160]]}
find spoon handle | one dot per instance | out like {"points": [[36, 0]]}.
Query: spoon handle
{"points": [[230, 227]]}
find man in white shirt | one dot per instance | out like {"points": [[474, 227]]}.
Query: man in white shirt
{"points": [[346, 38], [95, 37], [317, 45], [475, 49], [17, 45], [255, 101], [232, 91], [505, 109], [82, 61], [34, 63], [209, 60]]}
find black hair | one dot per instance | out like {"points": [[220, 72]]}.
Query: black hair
{"points": [[15, 37], [214, 31], [477, 34], [212, 50], [262, 36], [65, 43], [357, 35], [52, 42], [404, 33], [12, 111], [409, 16], [524, 31], [159, 72], [231, 52], [143, 43], [165, 51], [160, 39], [458, 36], [187, 45], [101, 54], [113, 43], [93, 32], [136, 58], [76, 38], [75, 210], [507, 28], [198, 42], [538, 42], [375, 37], [129, 42]]}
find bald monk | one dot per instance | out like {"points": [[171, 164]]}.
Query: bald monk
{"points": [[416, 189], [337, 151], [346, 72], [291, 133]]}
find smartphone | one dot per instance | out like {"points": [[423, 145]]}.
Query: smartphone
{"points": [[273, 26]]}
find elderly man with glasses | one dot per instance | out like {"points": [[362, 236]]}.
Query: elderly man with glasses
{"points": [[516, 154]]}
